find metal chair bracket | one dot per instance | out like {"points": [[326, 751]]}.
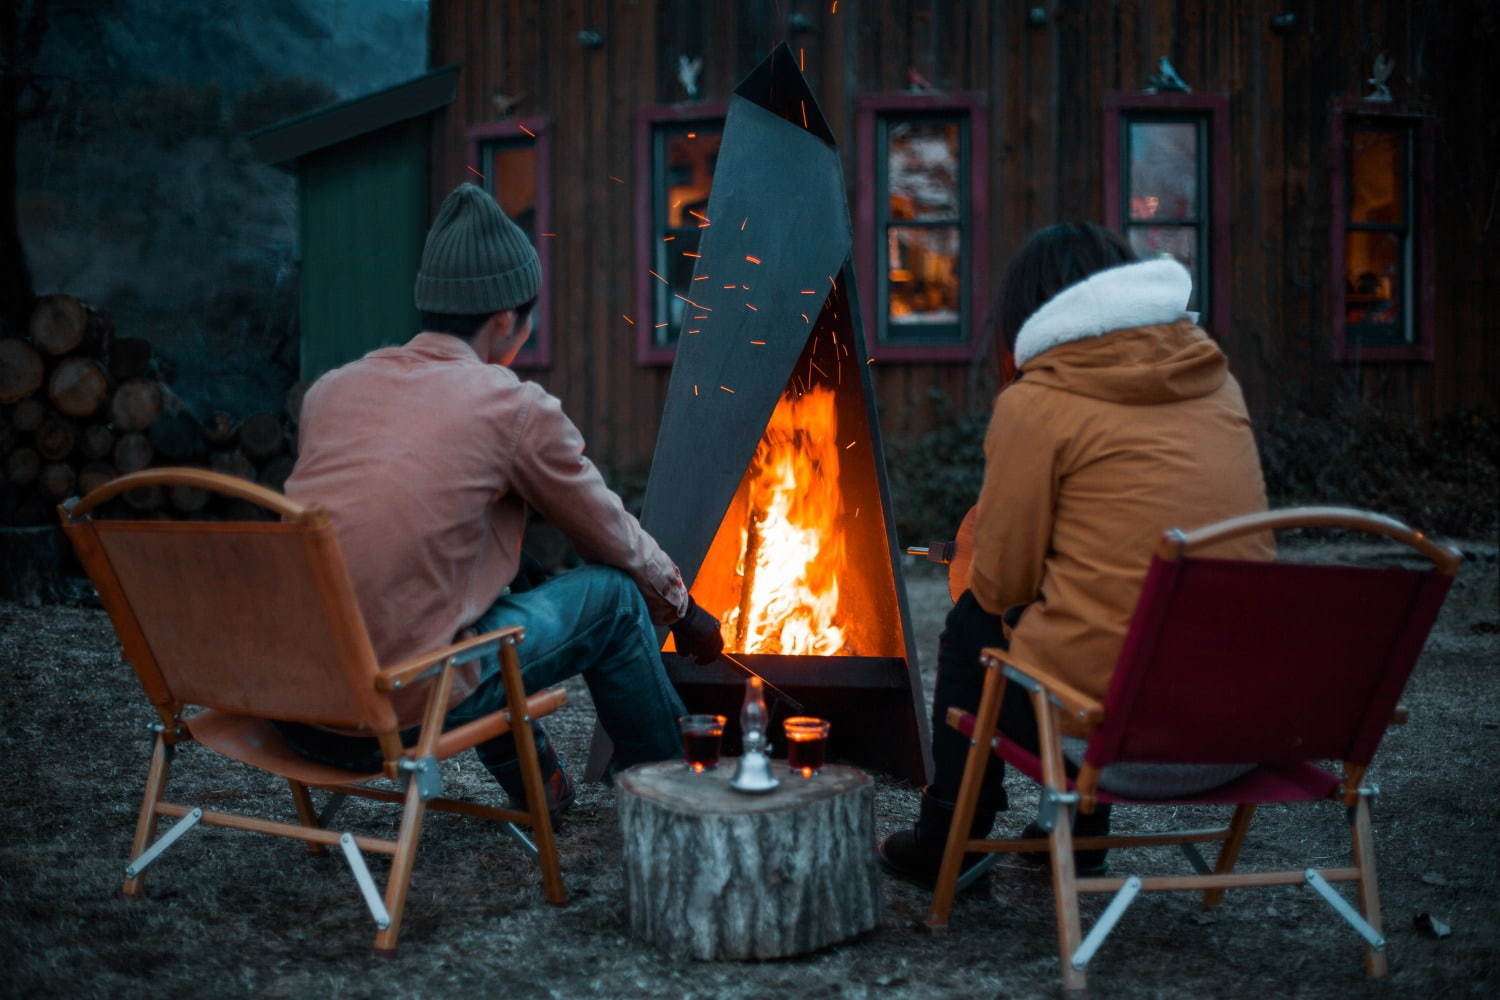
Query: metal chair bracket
{"points": [[366, 883], [166, 840], [1368, 792], [1106, 922], [429, 776], [1050, 803], [1341, 906], [527, 844]]}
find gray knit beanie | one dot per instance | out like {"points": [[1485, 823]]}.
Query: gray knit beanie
{"points": [[476, 261]]}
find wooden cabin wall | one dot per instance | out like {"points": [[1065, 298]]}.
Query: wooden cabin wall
{"points": [[1045, 85]]}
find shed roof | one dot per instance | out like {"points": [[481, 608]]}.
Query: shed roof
{"points": [[320, 128]]}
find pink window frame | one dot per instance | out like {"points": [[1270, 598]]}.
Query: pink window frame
{"points": [[868, 109], [1215, 107], [647, 118], [537, 129], [1423, 125]]}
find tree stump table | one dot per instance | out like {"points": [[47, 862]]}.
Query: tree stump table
{"points": [[718, 874]]}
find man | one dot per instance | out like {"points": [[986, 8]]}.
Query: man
{"points": [[426, 457]]}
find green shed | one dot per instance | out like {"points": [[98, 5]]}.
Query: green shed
{"points": [[361, 169]]}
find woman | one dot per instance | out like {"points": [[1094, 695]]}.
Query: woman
{"points": [[1123, 421]]}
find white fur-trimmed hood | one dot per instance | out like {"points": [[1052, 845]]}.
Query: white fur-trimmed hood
{"points": [[1142, 293]]}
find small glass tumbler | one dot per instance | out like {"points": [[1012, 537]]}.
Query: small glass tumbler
{"points": [[806, 744], [701, 738]]}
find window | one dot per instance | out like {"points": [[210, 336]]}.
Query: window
{"points": [[921, 234], [1166, 171], [1382, 246], [677, 149], [511, 160]]}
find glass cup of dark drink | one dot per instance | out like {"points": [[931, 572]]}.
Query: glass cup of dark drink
{"points": [[701, 738], [806, 744]]}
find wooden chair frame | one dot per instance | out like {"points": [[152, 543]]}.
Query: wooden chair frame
{"points": [[416, 768], [1051, 697]]}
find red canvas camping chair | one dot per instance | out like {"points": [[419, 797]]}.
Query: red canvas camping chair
{"points": [[256, 620], [1225, 661]]}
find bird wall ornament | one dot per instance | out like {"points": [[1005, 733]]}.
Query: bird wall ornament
{"points": [[1384, 65], [687, 73], [1167, 80]]}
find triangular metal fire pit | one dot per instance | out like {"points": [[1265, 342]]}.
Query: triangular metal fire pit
{"points": [[773, 312]]}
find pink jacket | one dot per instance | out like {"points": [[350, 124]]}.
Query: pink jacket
{"points": [[426, 457]]}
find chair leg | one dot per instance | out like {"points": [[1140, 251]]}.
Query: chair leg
{"points": [[1369, 890], [531, 776], [306, 814], [401, 866], [1060, 841], [145, 825], [1229, 854], [968, 798]]}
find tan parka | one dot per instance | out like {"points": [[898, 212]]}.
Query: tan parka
{"points": [[1110, 436]]}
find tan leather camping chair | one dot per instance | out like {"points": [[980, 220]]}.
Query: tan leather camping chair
{"points": [[256, 620]]}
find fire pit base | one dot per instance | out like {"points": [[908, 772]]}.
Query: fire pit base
{"points": [[714, 874]]}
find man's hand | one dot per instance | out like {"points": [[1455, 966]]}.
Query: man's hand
{"points": [[696, 634]]}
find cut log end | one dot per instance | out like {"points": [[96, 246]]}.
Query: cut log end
{"points": [[21, 370], [717, 875], [59, 323]]}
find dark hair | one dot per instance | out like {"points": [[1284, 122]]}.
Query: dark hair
{"points": [[466, 325], [1052, 259]]}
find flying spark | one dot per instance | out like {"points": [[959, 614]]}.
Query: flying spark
{"points": [[656, 276], [689, 253], [475, 172], [528, 131], [727, 389], [751, 308], [627, 319], [616, 179], [758, 343], [742, 223], [753, 260]]}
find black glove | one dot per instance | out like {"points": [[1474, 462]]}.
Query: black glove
{"points": [[697, 634]]}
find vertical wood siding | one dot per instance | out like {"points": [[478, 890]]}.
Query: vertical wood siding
{"points": [[1045, 85]]}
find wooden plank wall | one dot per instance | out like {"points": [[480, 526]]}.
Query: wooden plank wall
{"points": [[1045, 84]]}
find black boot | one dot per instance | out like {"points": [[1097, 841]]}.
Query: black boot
{"points": [[916, 854], [1086, 864]]}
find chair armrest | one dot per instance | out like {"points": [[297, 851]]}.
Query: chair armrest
{"points": [[403, 674], [1085, 708]]}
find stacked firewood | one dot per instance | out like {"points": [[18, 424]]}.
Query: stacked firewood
{"points": [[80, 406]]}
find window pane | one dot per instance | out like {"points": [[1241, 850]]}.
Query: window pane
{"points": [[1372, 283], [922, 169], [924, 275], [1163, 170], [513, 180], [1377, 178], [687, 175], [1178, 241], [683, 171]]}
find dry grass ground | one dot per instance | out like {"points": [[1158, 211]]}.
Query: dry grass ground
{"points": [[233, 914]]}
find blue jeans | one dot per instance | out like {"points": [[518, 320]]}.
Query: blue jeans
{"points": [[591, 621]]}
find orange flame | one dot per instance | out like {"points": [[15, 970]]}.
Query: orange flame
{"points": [[789, 560]]}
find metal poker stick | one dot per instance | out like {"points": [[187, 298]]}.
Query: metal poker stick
{"points": [[792, 702]]}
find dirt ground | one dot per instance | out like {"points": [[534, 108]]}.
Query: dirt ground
{"points": [[234, 914]]}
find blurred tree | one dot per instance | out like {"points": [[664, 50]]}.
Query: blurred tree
{"points": [[23, 25]]}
